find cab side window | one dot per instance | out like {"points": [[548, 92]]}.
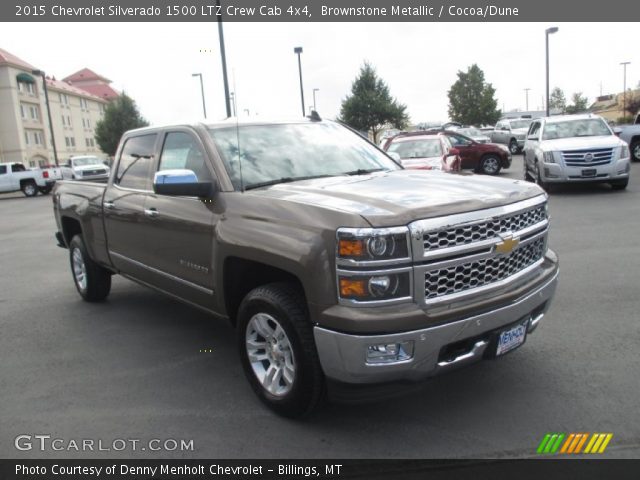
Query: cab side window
{"points": [[181, 150], [3, 169], [135, 169], [534, 129]]}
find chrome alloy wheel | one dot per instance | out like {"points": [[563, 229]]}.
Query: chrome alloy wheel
{"points": [[490, 165], [270, 354], [79, 269]]}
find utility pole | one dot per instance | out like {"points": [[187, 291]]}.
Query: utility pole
{"points": [[624, 89], [526, 91], [223, 58]]}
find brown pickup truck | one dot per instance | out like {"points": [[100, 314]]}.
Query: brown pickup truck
{"points": [[337, 267]]}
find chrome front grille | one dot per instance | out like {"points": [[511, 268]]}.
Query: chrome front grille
{"points": [[483, 230], [466, 276], [462, 255], [588, 157]]}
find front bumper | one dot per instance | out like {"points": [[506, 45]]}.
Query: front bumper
{"points": [[557, 173], [343, 356]]}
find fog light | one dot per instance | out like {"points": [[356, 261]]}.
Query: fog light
{"points": [[390, 352]]}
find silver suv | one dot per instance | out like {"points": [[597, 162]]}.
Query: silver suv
{"points": [[511, 132], [575, 148]]}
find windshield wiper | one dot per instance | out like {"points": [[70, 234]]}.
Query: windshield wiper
{"points": [[363, 171], [277, 181]]}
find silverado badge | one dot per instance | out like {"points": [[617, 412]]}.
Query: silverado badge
{"points": [[507, 245]]}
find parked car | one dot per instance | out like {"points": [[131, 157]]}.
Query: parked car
{"points": [[487, 158], [85, 167], [474, 134], [511, 132], [15, 177], [631, 135], [337, 267], [575, 148], [420, 150]]}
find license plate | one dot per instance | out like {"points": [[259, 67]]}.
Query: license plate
{"points": [[589, 172], [512, 338]]}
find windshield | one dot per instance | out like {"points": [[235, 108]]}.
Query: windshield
{"points": [[470, 132], [81, 162], [418, 148], [589, 127], [287, 152], [520, 124]]}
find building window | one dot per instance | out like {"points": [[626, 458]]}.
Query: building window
{"points": [[64, 100], [34, 112], [26, 137], [70, 142], [27, 87], [23, 112], [37, 138], [83, 104]]}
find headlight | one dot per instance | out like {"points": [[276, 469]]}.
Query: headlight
{"points": [[549, 158], [372, 244], [624, 151], [373, 287]]}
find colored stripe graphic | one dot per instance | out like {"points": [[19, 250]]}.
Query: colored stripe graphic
{"points": [[573, 443]]}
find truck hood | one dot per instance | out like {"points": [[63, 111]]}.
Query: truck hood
{"points": [[403, 196], [581, 143]]}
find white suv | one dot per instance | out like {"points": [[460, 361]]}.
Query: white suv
{"points": [[575, 148]]}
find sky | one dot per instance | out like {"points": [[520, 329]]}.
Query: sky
{"points": [[154, 62]]}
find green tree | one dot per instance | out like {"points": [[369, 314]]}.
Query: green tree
{"points": [[557, 100], [370, 107], [471, 100], [580, 103], [120, 115]]}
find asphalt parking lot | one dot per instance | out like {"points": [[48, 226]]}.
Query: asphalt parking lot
{"points": [[134, 366]]}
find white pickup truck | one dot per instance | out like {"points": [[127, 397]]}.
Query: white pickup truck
{"points": [[14, 177], [85, 167]]}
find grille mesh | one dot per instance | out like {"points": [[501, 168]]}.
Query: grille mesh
{"points": [[446, 281], [582, 158], [455, 236]]}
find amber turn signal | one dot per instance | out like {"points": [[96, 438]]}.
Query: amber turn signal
{"points": [[351, 248], [352, 288]]}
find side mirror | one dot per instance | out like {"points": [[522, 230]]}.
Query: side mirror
{"points": [[453, 151], [617, 131], [394, 155], [181, 183]]}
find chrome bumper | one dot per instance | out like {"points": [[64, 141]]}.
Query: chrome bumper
{"points": [[343, 356]]}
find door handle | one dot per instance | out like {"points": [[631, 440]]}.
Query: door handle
{"points": [[151, 212], [109, 205]]}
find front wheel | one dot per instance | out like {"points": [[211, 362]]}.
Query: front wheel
{"points": [[541, 183], [278, 352], [620, 184], [92, 281], [634, 148], [513, 147], [490, 165]]}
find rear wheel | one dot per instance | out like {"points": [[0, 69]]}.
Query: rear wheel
{"points": [[278, 352], [30, 189], [635, 150], [490, 165], [92, 281]]}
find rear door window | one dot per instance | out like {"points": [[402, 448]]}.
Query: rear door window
{"points": [[135, 169]]}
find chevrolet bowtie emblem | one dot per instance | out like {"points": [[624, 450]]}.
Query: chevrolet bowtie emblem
{"points": [[507, 245]]}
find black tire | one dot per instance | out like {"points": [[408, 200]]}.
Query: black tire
{"points": [[513, 147], [97, 280], [490, 164], [30, 189], [284, 304], [634, 148], [541, 183], [620, 184], [45, 190]]}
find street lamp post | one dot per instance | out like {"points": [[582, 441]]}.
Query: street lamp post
{"points": [[204, 106], [314, 98], [548, 32], [298, 51], [223, 58], [46, 99], [624, 89], [526, 92]]}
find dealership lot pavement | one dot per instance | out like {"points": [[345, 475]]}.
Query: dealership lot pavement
{"points": [[133, 367]]}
